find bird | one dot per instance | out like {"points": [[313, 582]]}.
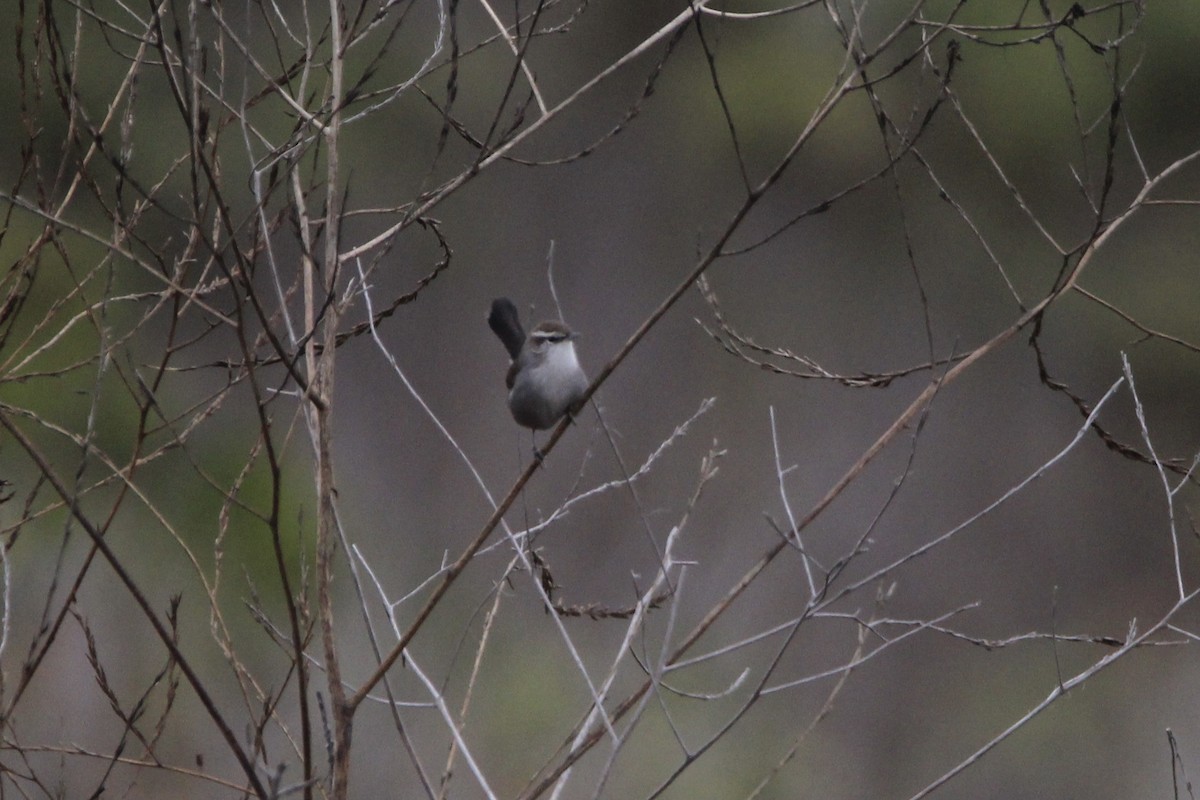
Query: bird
{"points": [[545, 381]]}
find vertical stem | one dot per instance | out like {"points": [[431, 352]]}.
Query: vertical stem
{"points": [[321, 310]]}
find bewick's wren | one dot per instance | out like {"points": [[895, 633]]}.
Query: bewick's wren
{"points": [[545, 380]]}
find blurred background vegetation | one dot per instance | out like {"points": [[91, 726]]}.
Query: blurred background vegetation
{"points": [[889, 277]]}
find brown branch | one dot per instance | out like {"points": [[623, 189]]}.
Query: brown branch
{"points": [[164, 635]]}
